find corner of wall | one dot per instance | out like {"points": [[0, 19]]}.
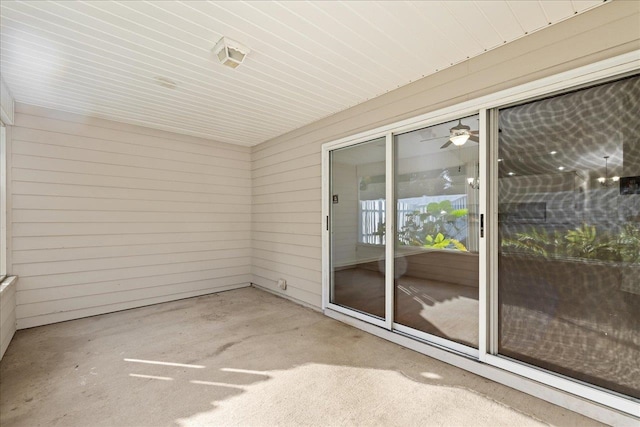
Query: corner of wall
{"points": [[7, 312], [7, 104]]}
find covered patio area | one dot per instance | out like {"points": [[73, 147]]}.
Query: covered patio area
{"points": [[243, 357]]}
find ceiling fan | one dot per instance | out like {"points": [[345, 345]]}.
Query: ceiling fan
{"points": [[459, 134]]}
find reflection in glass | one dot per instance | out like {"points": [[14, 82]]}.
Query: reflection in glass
{"points": [[569, 231], [357, 227], [436, 265]]}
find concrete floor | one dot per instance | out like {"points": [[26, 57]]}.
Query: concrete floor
{"points": [[242, 357]]}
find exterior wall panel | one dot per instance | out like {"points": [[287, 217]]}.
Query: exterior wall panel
{"points": [[599, 34], [7, 313], [107, 216]]}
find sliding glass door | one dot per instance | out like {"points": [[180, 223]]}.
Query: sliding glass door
{"points": [[410, 197], [358, 227], [437, 231], [569, 235], [511, 235]]}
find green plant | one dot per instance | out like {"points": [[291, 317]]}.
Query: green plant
{"points": [[434, 219], [440, 242]]}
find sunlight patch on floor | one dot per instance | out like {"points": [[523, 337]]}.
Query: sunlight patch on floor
{"points": [[218, 384], [456, 318], [244, 371], [319, 394], [151, 377], [156, 362], [431, 375]]}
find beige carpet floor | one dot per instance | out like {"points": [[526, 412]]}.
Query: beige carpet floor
{"points": [[243, 357]]}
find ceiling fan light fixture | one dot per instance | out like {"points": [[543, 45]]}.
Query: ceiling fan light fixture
{"points": [[230, 53], [460, 139], [460, 134]]}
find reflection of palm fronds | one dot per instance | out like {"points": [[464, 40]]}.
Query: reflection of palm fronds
{"points": [[536, 242], [582, 242], [628, 243]]}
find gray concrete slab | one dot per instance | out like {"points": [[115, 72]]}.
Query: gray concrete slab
{"points": [[243, 357]]}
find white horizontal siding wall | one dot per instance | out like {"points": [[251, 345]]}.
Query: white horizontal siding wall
{"points": [[107, 216], [286, 170], [7, 313]]}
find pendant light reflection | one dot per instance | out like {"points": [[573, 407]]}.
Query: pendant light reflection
{"points": [[605, 181]]}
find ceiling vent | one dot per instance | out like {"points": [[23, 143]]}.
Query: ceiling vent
{"points": [[230, 52]]}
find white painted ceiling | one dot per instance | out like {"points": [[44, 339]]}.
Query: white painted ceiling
{"points": [[308, 59]]}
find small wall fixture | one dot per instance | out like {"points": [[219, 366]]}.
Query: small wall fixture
{"points": [[605, 181], [230, 52]]}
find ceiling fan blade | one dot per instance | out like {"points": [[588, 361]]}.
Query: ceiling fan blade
{"points": [[446, 144], [474, 132], [474, 138]]}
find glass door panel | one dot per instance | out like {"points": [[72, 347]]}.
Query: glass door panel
{"points": [[569, 234], [357, 231], [437, 233]]}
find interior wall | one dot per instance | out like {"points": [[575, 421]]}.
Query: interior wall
{"points": [[106, 216], [286, 170], [345, 213]]}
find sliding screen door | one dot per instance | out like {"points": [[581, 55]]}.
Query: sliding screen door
{"points": [[437, 233], [357, 208], [569, 234]]}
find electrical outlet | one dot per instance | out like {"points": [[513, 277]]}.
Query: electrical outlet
{"points": [[282, 284]]}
